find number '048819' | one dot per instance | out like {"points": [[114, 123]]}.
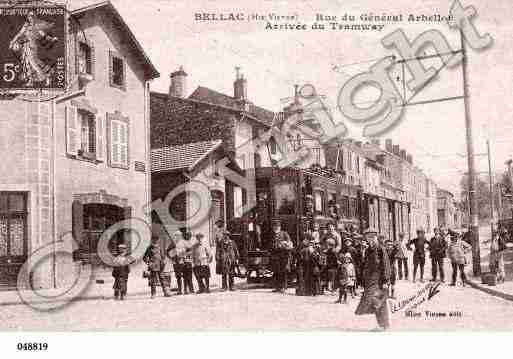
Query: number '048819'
{"points": [[32, 346]]}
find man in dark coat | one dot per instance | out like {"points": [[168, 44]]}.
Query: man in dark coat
{"points": [[280, 256], [376, 277], [419, 254], [121, 271], [227, 256], [437, 252], [155, 260]]}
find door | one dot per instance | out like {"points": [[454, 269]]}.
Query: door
{"points": [[217, 213], [13, 237]]}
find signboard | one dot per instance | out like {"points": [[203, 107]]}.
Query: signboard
{"points": [[32, 48]]}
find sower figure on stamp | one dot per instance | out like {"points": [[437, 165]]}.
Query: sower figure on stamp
{"points": [[121, 271], [154, 259], [281, 256], [376, 276], [419, 253], [437, 251]]}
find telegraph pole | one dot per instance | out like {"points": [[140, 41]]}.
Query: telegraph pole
{"points": [[474, 225], [491, 183]]}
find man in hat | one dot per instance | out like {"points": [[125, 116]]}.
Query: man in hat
{"points": [[155, 260], [376, 277], [419, 253], [202, 257], [280, 256], [120, 272], [437, 250], [402, 257]]}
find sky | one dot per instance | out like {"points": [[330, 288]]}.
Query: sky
{"points": [[274, 61]]}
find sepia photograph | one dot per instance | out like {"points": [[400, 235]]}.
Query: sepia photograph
{"points": [[267, 166]]}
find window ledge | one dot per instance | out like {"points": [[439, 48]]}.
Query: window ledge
{"points": [[84, 159]]}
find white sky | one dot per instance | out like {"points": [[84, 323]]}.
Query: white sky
{"points": [[274, 61]]}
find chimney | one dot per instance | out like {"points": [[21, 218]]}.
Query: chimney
{"points": [[240, 86], [409, 158], [375, 142], [396, 150], [388, 145], [178, 87], [403, 154]]}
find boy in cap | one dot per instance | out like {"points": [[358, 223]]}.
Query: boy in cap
{"points": [[346, 277], [202, 257], [120, 272], [392, 253]]}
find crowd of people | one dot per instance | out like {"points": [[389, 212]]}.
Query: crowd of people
{"points": [[326, 260]]}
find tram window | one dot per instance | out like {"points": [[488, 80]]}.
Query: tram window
{"points": [[285, 196], [318, 198], [237, 202]]}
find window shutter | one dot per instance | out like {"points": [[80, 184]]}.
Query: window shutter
{"points": [[93, 60], [100, 138], [114, 142], [123, 144], [72, 131], [77, 220]]}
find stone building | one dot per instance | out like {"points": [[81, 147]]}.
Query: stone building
{"points": [[77, 161], [449, 213]]}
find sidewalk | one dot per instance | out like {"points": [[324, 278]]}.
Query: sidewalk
{"points": [[501, 290]]}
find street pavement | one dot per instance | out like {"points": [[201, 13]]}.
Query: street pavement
{"points": [[259, 309], [417, 307]]}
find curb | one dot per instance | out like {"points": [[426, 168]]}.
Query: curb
{"points": [[488, 290]]}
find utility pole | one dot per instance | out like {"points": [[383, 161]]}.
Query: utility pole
{"points": [[499, 209], [474, 225], [491, 184]]}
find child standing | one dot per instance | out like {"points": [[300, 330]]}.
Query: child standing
{"points": [[392, 255], [347, 278], [202, 257], [120, 272]]}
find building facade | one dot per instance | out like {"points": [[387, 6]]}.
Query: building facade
{"points": [[79, 162]]}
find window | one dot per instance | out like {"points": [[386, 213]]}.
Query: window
{"points": [[237, 202], [258, 160], [319, 202], [85, 58], [84, 132], [285, 196], [88, 129], [273, 146], [118, 140], [96, 218], [13, 224], [117, 71]]}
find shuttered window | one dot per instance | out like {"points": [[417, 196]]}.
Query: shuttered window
{"points": [[72, 131], [118, 136]]}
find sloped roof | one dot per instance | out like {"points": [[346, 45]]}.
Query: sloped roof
{"points": [[181, 157], [207, 95], [150, 70]]}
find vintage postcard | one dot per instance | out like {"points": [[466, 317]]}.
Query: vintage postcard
{"points": [[172, 165]]}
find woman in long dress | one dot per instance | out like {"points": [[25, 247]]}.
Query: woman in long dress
{"points": [[28, 42], [376, 276]]}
